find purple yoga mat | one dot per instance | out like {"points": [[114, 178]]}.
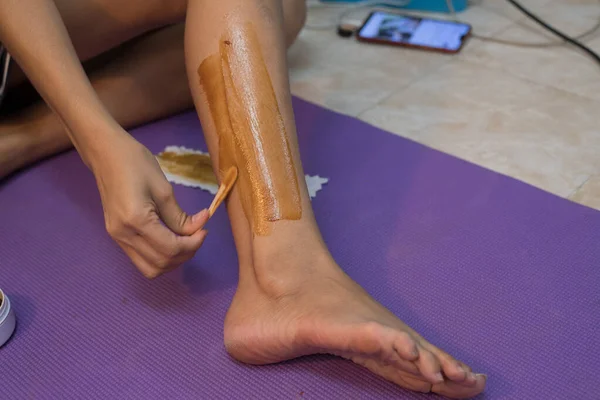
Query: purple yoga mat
{"points": [[504, 276]]}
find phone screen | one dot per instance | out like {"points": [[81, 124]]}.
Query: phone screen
{"points": [[415, 31]]}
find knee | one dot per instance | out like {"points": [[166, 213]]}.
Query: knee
{"points": [[145, 15], [294, 13]]}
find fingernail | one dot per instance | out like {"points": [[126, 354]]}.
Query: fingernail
{"points": [[484, 376], [439, 377], [460, 368]]}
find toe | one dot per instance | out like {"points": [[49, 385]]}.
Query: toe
{"points": [[405, 346], [457, 391], [410, 382], [455, 370], [408, 367], [429, 366], [403, 379], [465, 366], [471, 378], [387, 359]]}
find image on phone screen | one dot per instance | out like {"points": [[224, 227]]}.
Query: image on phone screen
{"points": [[415, 31]]}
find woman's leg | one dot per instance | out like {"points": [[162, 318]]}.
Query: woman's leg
{"points": [[141, 81], [144, 82], [292, 299], [100, 25], [96, 27]]}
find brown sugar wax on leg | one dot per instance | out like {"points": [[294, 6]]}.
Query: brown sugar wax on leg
{"points": [[252, 134]]}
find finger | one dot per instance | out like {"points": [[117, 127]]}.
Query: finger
{"points": [[170, 245], [160, 238], [159, 260], [175, 218], [150, 253], [197, 239], [458, 391], [140, 262]]}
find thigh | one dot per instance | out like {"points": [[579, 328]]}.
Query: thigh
{"points": [[97, 26]]}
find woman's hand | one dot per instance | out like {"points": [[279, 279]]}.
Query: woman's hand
{"points": [[136, 197], [141, 212]]}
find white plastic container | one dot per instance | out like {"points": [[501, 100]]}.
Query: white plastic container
{"points": [[7, 319]]}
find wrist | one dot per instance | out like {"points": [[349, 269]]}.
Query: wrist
{"points": [[95, 142]]}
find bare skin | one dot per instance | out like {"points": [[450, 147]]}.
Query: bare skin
{"points": [[292, 299], [141, 81], [140, 210], [145, 81]]}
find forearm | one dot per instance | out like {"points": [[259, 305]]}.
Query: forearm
{"points": [[36, 37]]}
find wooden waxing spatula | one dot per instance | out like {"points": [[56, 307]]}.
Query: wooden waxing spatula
{"points": [[226, 186]]}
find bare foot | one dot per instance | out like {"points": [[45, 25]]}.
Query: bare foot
{"points": [[328, 313]]}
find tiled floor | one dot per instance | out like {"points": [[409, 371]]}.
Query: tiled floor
{"points": [[530, 113]]}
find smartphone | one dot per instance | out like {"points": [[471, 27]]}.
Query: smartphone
{"points": [[416, 32]]}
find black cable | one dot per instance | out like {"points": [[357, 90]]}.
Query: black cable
{"points": [[566, 38]]}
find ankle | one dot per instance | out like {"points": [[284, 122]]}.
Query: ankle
{"points": [[286, 273]]}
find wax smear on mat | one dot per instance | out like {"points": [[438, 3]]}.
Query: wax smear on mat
{"points": [[188, 167], [193, 168]]}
